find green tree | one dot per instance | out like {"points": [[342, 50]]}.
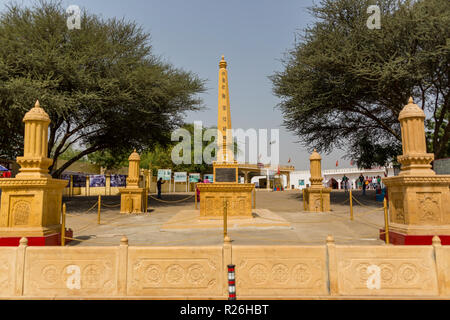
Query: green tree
{"points": [[70, 153], [108, 160], [159, 157], [343, 84], [101, 85], [430, 126]]}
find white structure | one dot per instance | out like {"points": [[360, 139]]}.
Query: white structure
{"points": [[300, 179]]}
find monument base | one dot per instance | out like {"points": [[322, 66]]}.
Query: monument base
{"points": [[131, 200], [317, 199], [53, 239], [398, 238], [237, 195], [418, 205], [30, 206]]}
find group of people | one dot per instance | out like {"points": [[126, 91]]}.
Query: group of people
{"points": [[369, 183], [364, 183]]}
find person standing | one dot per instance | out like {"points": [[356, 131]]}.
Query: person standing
{"points": [[345, 182], [363, 183], [158, 185], [361, 180]]}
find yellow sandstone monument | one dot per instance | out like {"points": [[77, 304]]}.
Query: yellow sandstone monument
{"points": [[418, 198], [225, 187], [31, 202], [317, 197], [131, 197]]}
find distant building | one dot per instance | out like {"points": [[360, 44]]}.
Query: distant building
{"points": [[333, 177]]}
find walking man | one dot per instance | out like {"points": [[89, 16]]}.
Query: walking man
{"points": [[158, 185]]}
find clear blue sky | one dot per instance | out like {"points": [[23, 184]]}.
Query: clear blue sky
{"points": [[252, 34]]}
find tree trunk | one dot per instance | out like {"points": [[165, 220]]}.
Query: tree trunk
{"points": [[57, 173]]}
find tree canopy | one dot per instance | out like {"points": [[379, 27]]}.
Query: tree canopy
{"points": [[344, 84], [101, 85], [154, 158]]}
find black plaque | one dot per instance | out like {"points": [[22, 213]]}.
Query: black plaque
{"points": [[225, 175]]}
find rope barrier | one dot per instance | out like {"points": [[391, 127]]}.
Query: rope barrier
{"points": [[371, 224], [339, 203], [93, 206], [165, 201], [361, 203], [86, 227], [110, 205], [79, 216], [344, 218], [370, 211]]}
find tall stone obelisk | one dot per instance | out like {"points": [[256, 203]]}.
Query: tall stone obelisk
{"points": [[224, 136], [225, 167], [225, 190], [31, 202]]}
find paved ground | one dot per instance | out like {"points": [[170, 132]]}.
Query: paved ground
{"points": [[306, 228]]}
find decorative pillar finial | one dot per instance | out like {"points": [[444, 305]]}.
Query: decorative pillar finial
{"points": [[315, 169], [415, 160], [223, 63], [133, 169], [35, 162]]}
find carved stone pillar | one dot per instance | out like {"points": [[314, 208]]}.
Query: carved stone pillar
{"points": [[317, 196], [131, 197], [31, 202], [418, 198]]}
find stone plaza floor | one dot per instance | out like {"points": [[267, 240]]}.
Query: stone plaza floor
{"points": [[273, 208]]}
